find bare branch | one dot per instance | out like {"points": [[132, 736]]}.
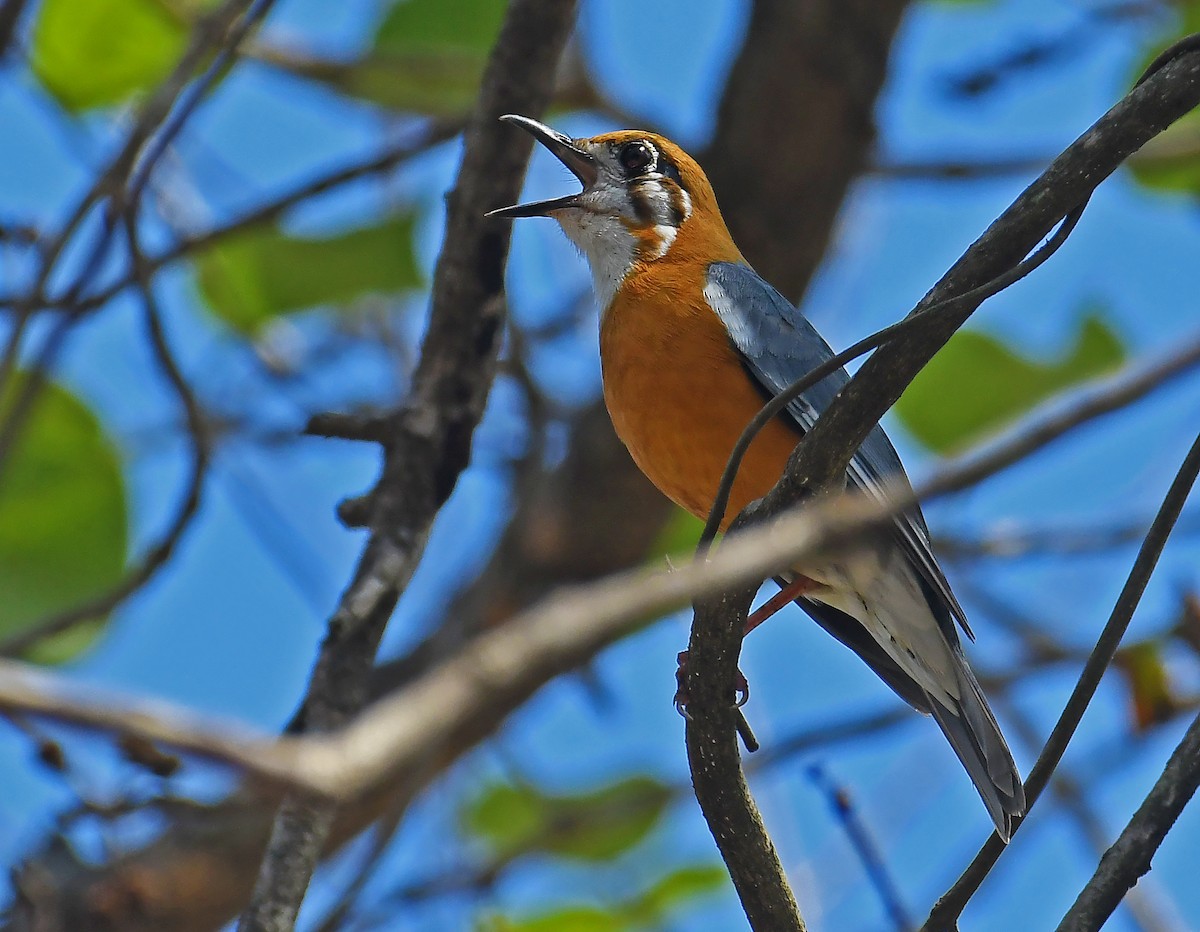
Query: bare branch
{"points": [[479, 681], [430, 441], [208, 35], [945, 914], [821, 458], [864, 846], [1129, 857], [201, 451]]}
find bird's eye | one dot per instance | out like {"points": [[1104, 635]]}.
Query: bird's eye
{"points": [[636, 157]]}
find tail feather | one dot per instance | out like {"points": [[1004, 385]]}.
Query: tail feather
{"points": [[975, 736], [968, 724]]}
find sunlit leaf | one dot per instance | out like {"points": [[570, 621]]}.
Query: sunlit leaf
{"points": [[428, 56], [977, 383], [593, 826], [92, 53], [63, 530], [251, 278], [1153, 700]]}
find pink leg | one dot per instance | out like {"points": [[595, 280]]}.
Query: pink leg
{"points": [[788, 594]]}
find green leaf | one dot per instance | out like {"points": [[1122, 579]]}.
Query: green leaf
{"points": [[976, 383], [93, 53], [1171, 160], [650, 909], [678, 537], [1152, 698], [63, 531], [428, 56], [565, 919], [250, 278], [678, 888], [595, 826]]}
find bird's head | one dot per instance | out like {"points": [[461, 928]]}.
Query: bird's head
{"points": [[640, 192]]}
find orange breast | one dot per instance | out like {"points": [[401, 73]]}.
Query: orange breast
{"points": [[678, 395]]}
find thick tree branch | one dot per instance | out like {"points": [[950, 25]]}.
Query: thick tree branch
{"points": [[842, 63], [1130, 855], [430, 442]]}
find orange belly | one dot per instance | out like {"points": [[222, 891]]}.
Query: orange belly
{"points": [[679, 399]]}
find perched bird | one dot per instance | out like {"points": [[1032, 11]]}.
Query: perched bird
{"points": [[692, 342]]}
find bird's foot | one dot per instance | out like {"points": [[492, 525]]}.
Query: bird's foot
{"points": [[741, 688]]}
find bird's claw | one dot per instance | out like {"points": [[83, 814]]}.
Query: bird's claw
{"points": [[741, 687]]}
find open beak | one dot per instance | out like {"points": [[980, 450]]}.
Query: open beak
{"points": [[581, 164]]}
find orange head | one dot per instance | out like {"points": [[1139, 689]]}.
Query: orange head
{"points": [[643, 199]]}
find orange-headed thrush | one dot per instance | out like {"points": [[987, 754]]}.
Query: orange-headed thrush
{"points": [[692, 341]]}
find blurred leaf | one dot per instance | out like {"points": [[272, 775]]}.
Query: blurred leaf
{"points": [[650, 909], [62, 520], [1171, 160], [1145, 671], [976, 383], [428, 56], [679, 536], [676, 889], [566, 919], [250, 278], [92, 53], [595, 826]]}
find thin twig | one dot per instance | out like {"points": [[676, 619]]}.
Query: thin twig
{"points": [[221, 29], [157, 556], [864, 846], [210, 31]]}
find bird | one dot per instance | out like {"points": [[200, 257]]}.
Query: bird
{"points": [[692, 343]]}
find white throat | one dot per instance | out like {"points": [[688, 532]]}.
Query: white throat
{"points": [[606, 244]]}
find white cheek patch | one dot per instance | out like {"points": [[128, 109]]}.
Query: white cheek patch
{"points": [[666, 237]]}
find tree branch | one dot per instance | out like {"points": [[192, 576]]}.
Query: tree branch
{"points": [[1169, 89], [945, 914], [821, 458], [1129, 857], [430, 442]]}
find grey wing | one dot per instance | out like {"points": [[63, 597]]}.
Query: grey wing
{"points": [[779, 345]]}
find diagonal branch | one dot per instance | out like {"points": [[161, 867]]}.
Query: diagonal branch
{"points": [[821, 458], [945, 914], [1129, 857], [1169, 89]]}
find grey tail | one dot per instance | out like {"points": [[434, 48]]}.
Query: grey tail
{"points": [[975, 737], [970, 726]]}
